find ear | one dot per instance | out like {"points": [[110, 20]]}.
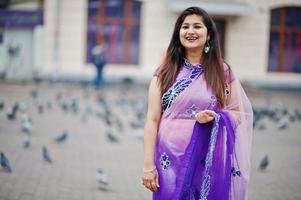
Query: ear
{"points": [[208, 37]]}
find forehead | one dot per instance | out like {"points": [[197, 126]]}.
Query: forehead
{"points": [[191, 19]]}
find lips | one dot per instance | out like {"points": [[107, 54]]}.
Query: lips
{"points": [[191, 38]]}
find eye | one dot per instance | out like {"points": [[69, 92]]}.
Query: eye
{"points": [[198, 26], [185, 27]]}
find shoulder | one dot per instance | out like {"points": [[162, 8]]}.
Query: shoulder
{"points": [[226, 66], [157, 71], [228, 73], [154, 86]]}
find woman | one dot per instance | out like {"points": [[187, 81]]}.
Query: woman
{"points": [[199, 122]]}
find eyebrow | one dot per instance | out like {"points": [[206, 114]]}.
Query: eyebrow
{"points": [[186, 23]]}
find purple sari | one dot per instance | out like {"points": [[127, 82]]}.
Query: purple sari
{"points": [[203, 161]]}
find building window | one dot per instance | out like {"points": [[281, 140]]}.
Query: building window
{"points": [[285, 40], [117, 24], [221, 29]]}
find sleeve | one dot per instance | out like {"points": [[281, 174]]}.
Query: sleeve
{"points": [[229, 76], [240, 110]]}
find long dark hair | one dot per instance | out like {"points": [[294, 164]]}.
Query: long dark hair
{"points": [[212, 61]]}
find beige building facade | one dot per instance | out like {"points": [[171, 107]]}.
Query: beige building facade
{"points": [[247, 25]]}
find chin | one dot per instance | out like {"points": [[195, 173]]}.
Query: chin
{"points": [[192, 47]]}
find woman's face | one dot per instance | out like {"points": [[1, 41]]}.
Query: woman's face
{"points": [[193, 33]]}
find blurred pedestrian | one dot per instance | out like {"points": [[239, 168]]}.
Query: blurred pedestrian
{"points": [[99, 60], [198, 129]]}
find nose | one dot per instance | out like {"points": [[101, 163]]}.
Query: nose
{"points": [[190, 30]]}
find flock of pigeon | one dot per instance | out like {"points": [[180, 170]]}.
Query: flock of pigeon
{"points": [[278, 114], [127, 103], [281, 116]]}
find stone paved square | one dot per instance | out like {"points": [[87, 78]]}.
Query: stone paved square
{"points": [[72, 175]]}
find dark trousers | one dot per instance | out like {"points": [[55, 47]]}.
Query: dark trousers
{"points": [[98, 81]]}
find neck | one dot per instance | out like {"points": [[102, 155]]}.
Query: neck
{"points": [[194, 57]]}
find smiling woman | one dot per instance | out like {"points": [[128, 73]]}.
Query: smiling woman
{"points": [[193, 34], [198, 128]]}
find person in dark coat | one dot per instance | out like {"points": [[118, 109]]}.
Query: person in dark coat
{"points": [[99, 60]]}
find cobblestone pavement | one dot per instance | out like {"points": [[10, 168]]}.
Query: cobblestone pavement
{"points": [[72, 175]]}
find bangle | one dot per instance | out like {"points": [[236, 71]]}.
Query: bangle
{"points": [[153, 171]]}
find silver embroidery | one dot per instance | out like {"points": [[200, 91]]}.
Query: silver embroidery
{"points": [[213, 102], [164, 161], [206, 177]]}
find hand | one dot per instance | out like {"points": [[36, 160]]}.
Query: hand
{"points": [[205, 116], [150, 179]]}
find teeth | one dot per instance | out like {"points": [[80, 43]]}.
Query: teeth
{"points": [[191, 38]]}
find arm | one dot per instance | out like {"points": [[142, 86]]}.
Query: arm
{"points": [[150, 133], [233, 102]]}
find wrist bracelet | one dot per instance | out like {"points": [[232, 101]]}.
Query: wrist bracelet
{"points": [[153, 171]]}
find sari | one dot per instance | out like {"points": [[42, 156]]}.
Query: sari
{"points": [[203, 161]]}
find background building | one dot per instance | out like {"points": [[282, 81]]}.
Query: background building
{"points": [[261, 39], [21, 39]]}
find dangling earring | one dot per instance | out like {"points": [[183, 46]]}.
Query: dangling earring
{"points": [[207, 47]]}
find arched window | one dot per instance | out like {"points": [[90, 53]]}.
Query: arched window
{"points": [[117, 23], [285, 40]]}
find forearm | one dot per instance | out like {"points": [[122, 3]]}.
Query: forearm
{"points": [[150, 135]]}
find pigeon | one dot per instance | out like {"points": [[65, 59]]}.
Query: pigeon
{"points": [[40, 108], [261, 126], [291, 116], [86, 94], [139, 134], [26, 126], [49, 105], [25, 118], [100, 115], [23, 106], [119, 125], [108, 120], [46, 155], [64, 106], [27, 141], [11, 115], [1, 104], [264, 163], [298, 113], [136, 125], [59, 96], [140, 115], [101, 99], [108, 111], [74, 105], [102, 180], [34, 93], [111, 137], [89, 110], [62, 137], [282, 123], [5, 163]]}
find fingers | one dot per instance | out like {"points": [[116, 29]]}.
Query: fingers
{"points": [[151, 182], [151, 185], [148, 185], [210, 113], [205, 116], [154, 186], [157, 181]]}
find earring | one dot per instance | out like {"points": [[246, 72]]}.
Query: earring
{"points": [[207, 47], [227, 90]]}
